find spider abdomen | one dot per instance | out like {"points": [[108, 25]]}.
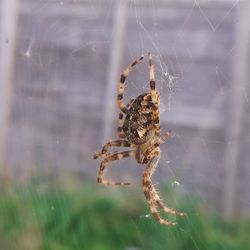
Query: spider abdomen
{"points": [[138, 124]]}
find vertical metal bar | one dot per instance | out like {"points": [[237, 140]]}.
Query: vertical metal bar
{"points": [[239, 82], [117, 47], [8, 19]]}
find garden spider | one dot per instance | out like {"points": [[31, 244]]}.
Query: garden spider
{"points": [[139, 129]]}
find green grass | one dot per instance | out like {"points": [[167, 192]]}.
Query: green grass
{"points": [[70, 215]]}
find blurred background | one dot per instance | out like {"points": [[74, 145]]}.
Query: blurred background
{"points": [[59, 70]]}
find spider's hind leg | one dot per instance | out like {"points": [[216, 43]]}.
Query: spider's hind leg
{"points": [[151, 194], [161, 205]]}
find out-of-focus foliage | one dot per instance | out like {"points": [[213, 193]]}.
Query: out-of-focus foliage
{"points": [[70, 214]]}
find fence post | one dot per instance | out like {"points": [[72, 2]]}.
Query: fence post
{"points": [[8, 21], [238, 85], [117, 47]]}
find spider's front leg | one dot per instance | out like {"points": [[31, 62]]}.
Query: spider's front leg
{"points": [[109, 158], [121, 86], [155, 97]]}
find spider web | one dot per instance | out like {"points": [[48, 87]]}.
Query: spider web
{"points": [[195, 154], [171, 80]]}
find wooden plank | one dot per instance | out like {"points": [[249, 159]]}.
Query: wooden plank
{"points": [[117, 47], [238, 86], [7, 50]]}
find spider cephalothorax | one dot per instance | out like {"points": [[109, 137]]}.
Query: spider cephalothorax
{"points": [[139, 129]]}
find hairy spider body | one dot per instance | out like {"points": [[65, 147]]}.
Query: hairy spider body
{"points": [[138, 125], [139, 129]]}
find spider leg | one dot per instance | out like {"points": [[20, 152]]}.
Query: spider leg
{"points": [[165, 208], [120, 132], [117, 143], [156, 143], [154, 96], [165, 136], [157, 198], [151, 75], [150, 193], [109, 158], [157, 130], [122, 84]]}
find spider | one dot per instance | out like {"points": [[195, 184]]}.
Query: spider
{"points": [[139, 130]]}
